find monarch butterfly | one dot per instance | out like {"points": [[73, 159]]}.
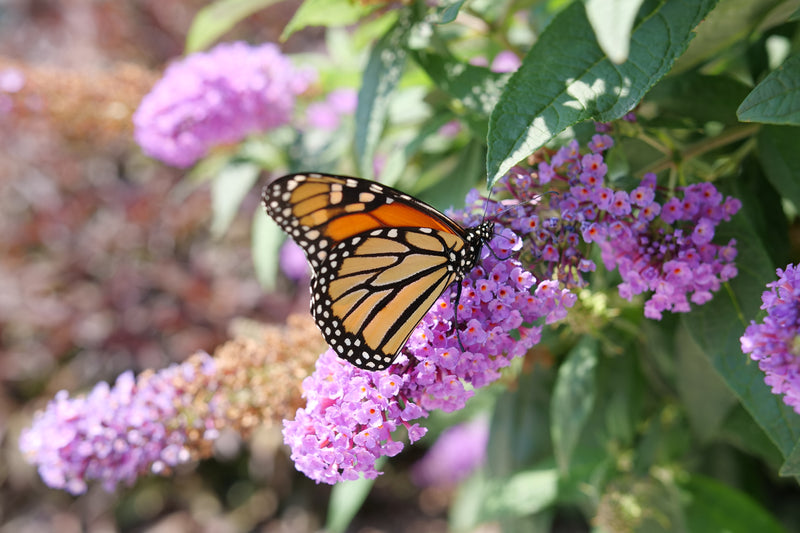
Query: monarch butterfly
{"points": [[380, 259]]}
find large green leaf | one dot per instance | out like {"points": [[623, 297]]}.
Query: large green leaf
{"points": [[780, 158], [566, 78], [705, 395], [612, 21], [214, 20], [384, 69], [573, 399], [714, 506], [717, 326], [776, 100]]}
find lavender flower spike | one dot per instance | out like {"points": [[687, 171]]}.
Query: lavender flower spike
{"points": [[217, 97], [114, 434], [775, 343], [351, 414]]}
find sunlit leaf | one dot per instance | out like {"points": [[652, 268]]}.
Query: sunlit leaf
{"points": [[228, 189], [612, 21], [214, 20], [567, 78]]}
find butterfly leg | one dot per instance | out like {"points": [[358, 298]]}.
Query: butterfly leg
{"points": [[455, 314]]}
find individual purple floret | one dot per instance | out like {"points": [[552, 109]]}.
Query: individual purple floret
{"points": [[217, 97], [774, 342]]}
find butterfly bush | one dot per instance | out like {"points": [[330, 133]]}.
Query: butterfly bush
{"points": [[351, 414], [113, 434], [665, 249], [159, 420], [217, 97], [775, 343], [350, 418], [660, 248]]}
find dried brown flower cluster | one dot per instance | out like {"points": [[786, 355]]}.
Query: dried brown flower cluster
{"points": [[92, 106], [255, 382]]}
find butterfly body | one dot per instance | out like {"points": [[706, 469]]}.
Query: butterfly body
{"points": [[380, 259]]}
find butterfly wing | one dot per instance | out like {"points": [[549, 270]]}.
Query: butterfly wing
{"points": [[377, 288], [380, 259]]}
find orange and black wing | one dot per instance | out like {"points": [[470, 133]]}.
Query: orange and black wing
{"points": [[380, 259]]}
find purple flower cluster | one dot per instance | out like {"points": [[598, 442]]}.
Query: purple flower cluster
{"points": [[327, 115], [663, 248], [114, 434], [292, 261], [217, 97], [775, 343], [351, 413], [670, 254], [456, 454]]}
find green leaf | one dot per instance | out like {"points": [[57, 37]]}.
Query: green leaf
{"points": [[266, 245], [466, 505], [347, 498], [764, 209], [521, 497], [384, 69], [717, 326], [329, 13], [228, 189], [741, 431], [523, 493], [466, 174], [730, 22], [618, 403], [612, 21], [776, 100], [566, 78], [705, 395], [698, 97], [474, 88], [791, 467], [214, 20], [519, 433], [448, 10], [398, 160], [714, 506], [573, 399]]}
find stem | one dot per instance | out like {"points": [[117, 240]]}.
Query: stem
{"points": [[700, 148]]}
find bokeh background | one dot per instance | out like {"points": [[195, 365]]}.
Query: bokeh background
{"points": [[107, 264]]}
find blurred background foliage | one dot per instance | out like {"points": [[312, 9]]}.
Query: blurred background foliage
{"points": [[111, 261]]}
